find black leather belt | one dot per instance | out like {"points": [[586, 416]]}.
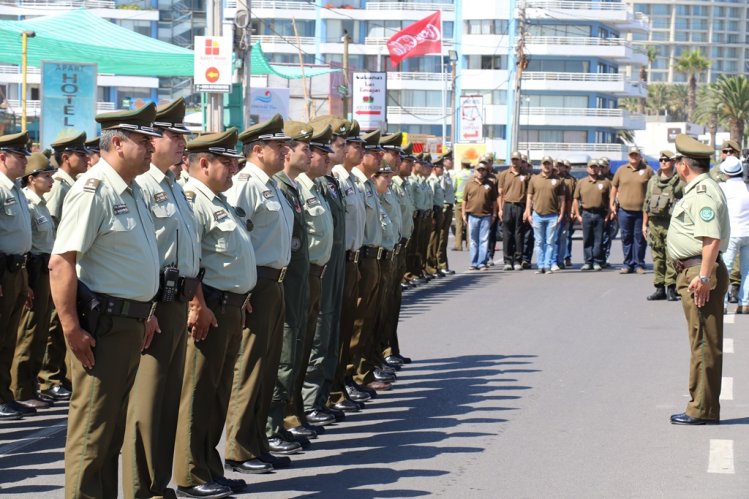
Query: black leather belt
{"points": [[519, 203], [352, 256], [215, 296], [692, 261], [317, 270], [12, 263], [371, 252], [122, 307], [387, 254], [272, 274]]}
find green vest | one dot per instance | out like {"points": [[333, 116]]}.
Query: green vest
{"points": [[662, 195]]}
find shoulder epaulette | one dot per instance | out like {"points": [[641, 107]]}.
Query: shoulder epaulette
{"points": [[91, 185], [701, 189], [244, 177], [190, 196]]}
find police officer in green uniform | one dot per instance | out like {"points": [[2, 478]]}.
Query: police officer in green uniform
{"points": [[434, 182], [15, 242], [448, 187], [730, 148], [70, 156], [154, 403], [34, 326], [93, 152], [265, 207], [407, 179], [423, 201], [662, 192], [104, 276], [215, 317], [699, 231]]}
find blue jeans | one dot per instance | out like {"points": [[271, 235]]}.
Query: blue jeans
{"points": [[740, 246], [559, 251], [544, 232], [633, 242], [478, 235]]}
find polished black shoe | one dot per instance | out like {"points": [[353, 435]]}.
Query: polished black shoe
{"points": [[379, 375], [357, 395], [291, 437], [8, 412], [279, 445], [405, 360], [388, 370], [303, 431], [319, 430], [393, 360], [347, 405], [23, 409], [672, 294], [278, 462], [57, 392], [660, 294], [235, 484], [319, 418], [684, 418], [251, 467], [338, 415], [211, 490]]}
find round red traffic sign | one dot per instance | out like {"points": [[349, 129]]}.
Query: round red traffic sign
{"points": [[212, 74]]}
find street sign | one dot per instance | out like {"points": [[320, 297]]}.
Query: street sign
{"points": [[370, 100], [471, 118], [213, 64], [267, 102]]}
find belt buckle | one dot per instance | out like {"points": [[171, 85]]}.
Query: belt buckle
{"points": [[282, 275], [246, 300], [397, 249], [379, 253], [356, 256], [151, 312]]}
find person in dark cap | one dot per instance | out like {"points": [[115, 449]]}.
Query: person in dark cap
{"points": [[257, 193], [663, 191], [737, 200], [216, 317], [152, 414], [104, 276], [34, 326], [402, 189], [445, 173], [15, 243], [611, 225], [699, 231], [93, 151], [434, 182]]}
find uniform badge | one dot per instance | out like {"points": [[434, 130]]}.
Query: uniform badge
{"points": [[600, 187], [267, 194], [522, 178], [702, 188], [312, 202], [220, 215], [349, 191], [190, 196], [295, 244], [160, 197], [553, 181], [41, 219], [249, 225], [641, 172], [91, 185], [333, 190], [10, 201], [240, 212], [120, 209], [707, 214]]}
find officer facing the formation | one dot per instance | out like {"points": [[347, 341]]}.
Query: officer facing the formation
{"points": [[663, 191], [215, 318], [699, 231], [104, 305], [34, 326], [15, 242], [152, 412]]}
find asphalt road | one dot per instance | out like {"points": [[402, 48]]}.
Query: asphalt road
{"points": [[523, 385]]}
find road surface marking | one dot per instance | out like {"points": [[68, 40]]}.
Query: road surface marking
{"points": [[33, 438], [729, 319], [727, 345], [726, 391], [721, 457]]}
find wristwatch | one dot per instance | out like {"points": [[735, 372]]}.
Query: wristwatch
{"points": [[704, 279]]}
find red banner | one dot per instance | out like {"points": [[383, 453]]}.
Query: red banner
{"points": [[421, 38]]}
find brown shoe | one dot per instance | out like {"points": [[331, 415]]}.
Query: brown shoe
{"points": [[380, 386], [640, 270], [34, 404], [625, 270]]}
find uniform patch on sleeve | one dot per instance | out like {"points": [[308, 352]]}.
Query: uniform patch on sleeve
{"points": [[701, 188], [707, 214], [91, 185]]}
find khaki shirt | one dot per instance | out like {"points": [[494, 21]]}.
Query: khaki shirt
{"points": [[545, 193], [267, 210], [372, 224], [702, 212], [355, 209], [330, 189], [108, 224], [631, 185], [429, 199], [227, 253], [569, 189], [448, 187], [513, 186], [593, 194], [390, 235], [318, 221], [479, 197], [402, 192], [392, 207], [176, 236], [15, 220], [435, 186], [183, 177], [56, 196], [42, 226]]}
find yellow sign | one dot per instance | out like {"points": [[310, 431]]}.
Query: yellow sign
{"points": [[468, 152]]}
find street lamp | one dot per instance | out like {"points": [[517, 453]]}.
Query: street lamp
{"points": [[25, 35], [344, 90], [453, 62], [528, 127]]}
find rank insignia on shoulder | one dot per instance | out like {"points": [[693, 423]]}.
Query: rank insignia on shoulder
{"points": [[267, 194], [701, 188], [91, 185], [160, 197], [190, 196], [244, 177]]}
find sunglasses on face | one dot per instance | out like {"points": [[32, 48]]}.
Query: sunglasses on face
{"points": [[727, 151]]}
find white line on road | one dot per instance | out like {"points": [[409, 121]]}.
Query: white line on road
{"points": [[32, 439], [721, 457], [726, 391], [729, 319], [727, 345]]}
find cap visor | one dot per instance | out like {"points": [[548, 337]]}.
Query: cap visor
{"points": [[323, 148]]}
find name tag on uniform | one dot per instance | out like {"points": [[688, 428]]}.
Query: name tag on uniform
{"points": [[220, 215], [120, 209], [160, 197], [10, 201], [312, 202], [41, 219], [267, 194]]}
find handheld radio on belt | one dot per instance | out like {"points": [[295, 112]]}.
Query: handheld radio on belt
{"points": [[170, 279]]}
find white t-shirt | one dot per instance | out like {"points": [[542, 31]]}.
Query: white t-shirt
{"points": [[737, 198]]}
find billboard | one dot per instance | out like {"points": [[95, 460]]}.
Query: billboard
{"points": [[68, 100], [369, 95], [213, 63], [266, 102], [470, 152], [471, 118]]}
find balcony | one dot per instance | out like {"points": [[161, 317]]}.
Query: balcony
{"points": [[616, 49], [33, 107], [60, 4], [381, 41], [611, 83], [619, 14], [422, 81], [12, 74], [587, 117], [414, 115], [538, 150], [276, 43], [270, 4], [430, 7]]}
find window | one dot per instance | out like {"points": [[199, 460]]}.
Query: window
{"points": [[415, 98], [491, 97], [559, 66], [485, 27], [334, 29], [495, 131], [493, 62]]}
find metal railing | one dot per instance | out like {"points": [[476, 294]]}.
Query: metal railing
{"points": [[304, 40], [413, 76], [420, 111], [9, 69], [410, 6], [591, 77], [380, 40], [35, 105], [578, 40], [91, 4], [270, 4], [569, 146], [568, 5], [577, 111]]}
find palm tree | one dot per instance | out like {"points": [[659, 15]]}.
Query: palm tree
{"points": [[652, 53], [732, 95], [693, 64], [677, 96], [708, 111], [657, 99]]}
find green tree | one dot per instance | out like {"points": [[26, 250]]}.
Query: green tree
{"points": [[692, 64], [657, 100], [707, 113], [732, 95], [652, 53], [678, 95]]}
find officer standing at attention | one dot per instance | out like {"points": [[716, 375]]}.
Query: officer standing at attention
{"points": [[34, 326], [215, 317], [699, 231], [93, 152], [402, 189], [15, 242], [154, 406], [265, 208], [104, 305], [663, 191], [70, 156], [434, 182], [448, 188], [409, 172]]}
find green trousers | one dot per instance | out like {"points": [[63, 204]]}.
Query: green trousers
{"points": [[414, 262], [365, 315], [447, 220], [56, 357], [13, 285], [395, 296], [663, 269], [460, 229], [348, 315]]}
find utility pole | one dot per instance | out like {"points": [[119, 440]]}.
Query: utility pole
{"points": [[521, 62], [307, 99], [346, 83], [25, 35], [215, 101], [242, 21], [453, 63]]}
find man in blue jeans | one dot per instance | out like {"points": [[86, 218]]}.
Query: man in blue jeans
{"points": [[479, 213], [629, 187], [544, 209]]}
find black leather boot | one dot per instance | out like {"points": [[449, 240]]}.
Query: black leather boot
{"points": [[660, 294], [672, 294]]}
